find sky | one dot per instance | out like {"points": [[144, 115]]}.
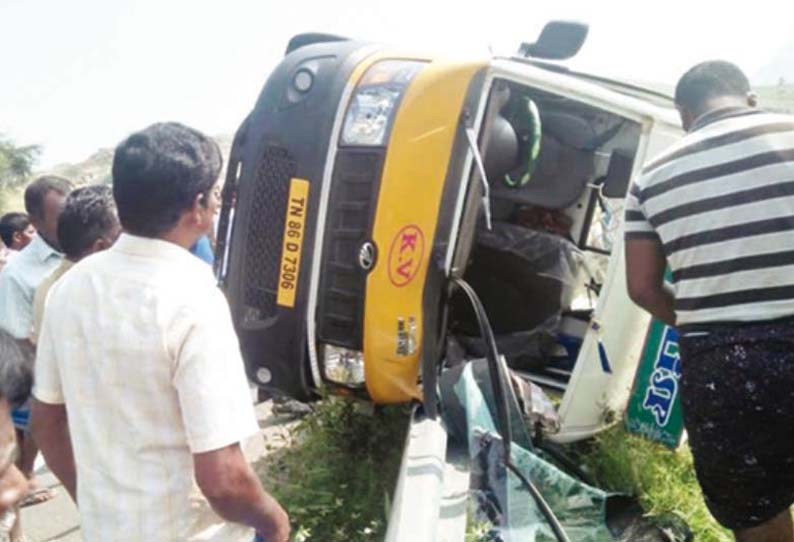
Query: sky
{"points": [[78, 75]]}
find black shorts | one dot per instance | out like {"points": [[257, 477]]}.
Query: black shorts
{"points": [[737, 391]]}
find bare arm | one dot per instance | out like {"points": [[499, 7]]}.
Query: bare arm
{"points": [[13, 484], [51, 432], [645, 268], [236, 494]]}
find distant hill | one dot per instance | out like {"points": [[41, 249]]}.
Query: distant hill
{"points": [[779, 68], [93, 170], [96, 168], [778, 98]]}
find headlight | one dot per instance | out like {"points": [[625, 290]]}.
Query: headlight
{"points": [[372, 107], [343, 366]]}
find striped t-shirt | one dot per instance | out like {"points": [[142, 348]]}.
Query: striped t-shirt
{"points": [[721, 201]]}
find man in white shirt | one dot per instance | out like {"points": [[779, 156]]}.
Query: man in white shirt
{"points": [[141, 398]]}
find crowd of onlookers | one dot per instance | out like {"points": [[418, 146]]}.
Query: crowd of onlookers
{"points": [[118, 358]]}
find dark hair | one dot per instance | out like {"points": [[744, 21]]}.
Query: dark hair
{"points": [[11, 223], [16, 368], [38, 190], [157, 174], [89, 213], [707, 80]]}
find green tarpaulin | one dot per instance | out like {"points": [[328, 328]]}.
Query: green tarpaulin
{"points": [[581, 509]]}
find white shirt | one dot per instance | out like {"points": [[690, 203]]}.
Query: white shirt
{"points": [[40, 297], [138, 342], [18, 282]]}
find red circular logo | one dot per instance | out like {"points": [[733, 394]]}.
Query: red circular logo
{"points": [[405, 255]]}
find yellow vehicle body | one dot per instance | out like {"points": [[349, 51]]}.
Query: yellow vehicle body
{"points": [[364, 182], [405, 224]]}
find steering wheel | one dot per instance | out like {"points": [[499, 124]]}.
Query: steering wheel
{"points": [[530, 141]]}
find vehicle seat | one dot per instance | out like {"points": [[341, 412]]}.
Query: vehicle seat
{"points": [[524, 278], [565, 166]]}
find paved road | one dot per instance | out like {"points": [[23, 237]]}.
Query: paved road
{"points": [[57, 520], [54, 520]]}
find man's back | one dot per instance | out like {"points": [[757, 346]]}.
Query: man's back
{"points": [[138, 343], [721, 203]]}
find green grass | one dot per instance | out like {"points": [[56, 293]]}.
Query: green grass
{"points": [[338, 476], [664, 481], [339, 473]]}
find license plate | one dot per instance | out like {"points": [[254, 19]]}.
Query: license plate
{"points": [[294, 224]]}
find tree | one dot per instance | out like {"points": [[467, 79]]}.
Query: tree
{"points": [[16, 162]]}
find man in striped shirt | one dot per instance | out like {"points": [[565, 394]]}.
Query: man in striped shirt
{"points": [[717, 209]]}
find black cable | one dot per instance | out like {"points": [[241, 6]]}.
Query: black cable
{"points": [[494, 365], [498, 380]]}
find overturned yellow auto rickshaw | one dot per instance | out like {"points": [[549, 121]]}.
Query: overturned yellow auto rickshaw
{"points": [[391, 216]]}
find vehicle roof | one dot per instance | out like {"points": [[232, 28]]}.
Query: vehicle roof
{"points": [[639, 97], [632, 88]]}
